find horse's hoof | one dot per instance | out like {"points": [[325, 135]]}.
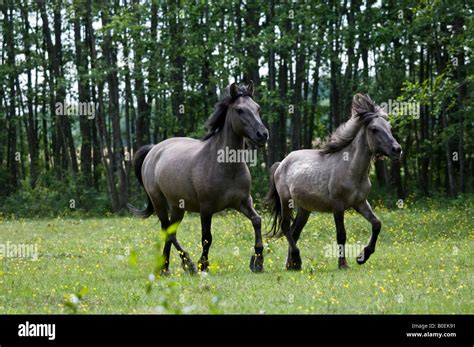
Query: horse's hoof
{"points": [[293, 266], [256, 263], [364, 256], [203, 265], [189, 266], [294, 262], [342, 264], [165, 273]]}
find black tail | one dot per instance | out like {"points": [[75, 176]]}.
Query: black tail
{"points": [[137, 166], [273, 201]]}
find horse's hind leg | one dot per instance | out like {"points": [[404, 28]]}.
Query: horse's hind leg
{"points": [[294, 260], [177, 215], [256, 261], [366, 211], [162, 212], [206, 240], [340, 237], [300, 221]]}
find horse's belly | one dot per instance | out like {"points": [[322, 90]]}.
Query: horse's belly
{"points": [[180, 191], [311, 201], [311, 195], [175, 184], [227, 196], [180, 195]]}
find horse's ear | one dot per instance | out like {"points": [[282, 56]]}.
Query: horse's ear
{"points": [[251, 88], [233, 90]]}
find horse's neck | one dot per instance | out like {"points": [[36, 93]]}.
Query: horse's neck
{"points": [[226, 138], [360, 154]]}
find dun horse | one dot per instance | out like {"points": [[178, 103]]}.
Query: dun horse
{"points": [[183, 174], [332, 179]]}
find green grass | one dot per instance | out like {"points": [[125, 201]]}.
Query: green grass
{"points": [[423, 264]]}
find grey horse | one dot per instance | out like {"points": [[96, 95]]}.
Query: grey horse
{"points": [[332, 179], [183, 174]]}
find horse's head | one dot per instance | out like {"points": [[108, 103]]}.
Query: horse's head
{"points": [[380, 138], [244, 115]]}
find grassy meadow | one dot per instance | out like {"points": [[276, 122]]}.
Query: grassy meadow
{"points": [[423, 264]]}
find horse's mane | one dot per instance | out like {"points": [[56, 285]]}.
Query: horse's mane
{"points": [[362, 112], [217, 119]]}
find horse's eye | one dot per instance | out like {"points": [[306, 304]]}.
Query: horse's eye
{"points": [[374, 130], [240, 111]]}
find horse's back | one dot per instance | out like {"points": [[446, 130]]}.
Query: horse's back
{"points": [[179, 145]]}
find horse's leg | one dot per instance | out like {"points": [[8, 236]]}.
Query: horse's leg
{"points": [[341, 237], [162, 212], [300, 221], [366, 211], [177, 215], [294, 260], [206, 240], [256, 261]]}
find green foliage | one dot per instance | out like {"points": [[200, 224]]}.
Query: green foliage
{"points": [[64, 198], [175, 54]]}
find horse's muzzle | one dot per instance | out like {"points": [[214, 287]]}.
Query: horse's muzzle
{"points": [[261, 138], [396, 152]]}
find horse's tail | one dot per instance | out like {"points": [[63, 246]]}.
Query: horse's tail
{"points": [[137, 166], [273, 201]]}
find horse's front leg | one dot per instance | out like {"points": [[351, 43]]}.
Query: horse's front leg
{"points": [[206, 240], [366, 211], [256, 261], [340, 237]]}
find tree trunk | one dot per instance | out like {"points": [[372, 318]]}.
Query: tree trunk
{"points": [[12, 163], [84, 97], [112, 80], [31, 127], [177, 75]]}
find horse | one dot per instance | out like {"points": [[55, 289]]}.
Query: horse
{"points": [[183, 174], [332, 179]]}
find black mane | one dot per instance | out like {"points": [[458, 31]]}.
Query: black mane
{"points": [[216, 121]]}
